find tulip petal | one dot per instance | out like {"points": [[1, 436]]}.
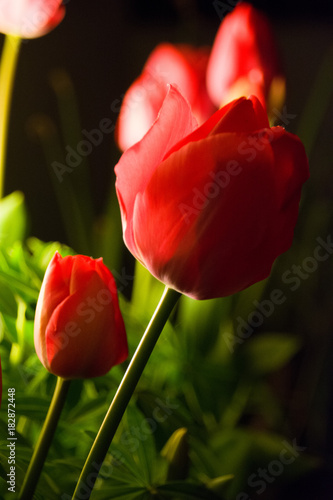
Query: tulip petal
{"points": [[30, 18], [242, 115], [77, 344], [244, 53], [79, 330], [180, 65], [292, 170], [139, 109], [54, 289], [139, 162], [189, 207]]}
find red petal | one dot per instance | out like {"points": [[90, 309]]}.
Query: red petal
{"points": [[54, 290], [31, 18], [292, 170], [138, 163], [241, 115], [169, 64], [139, 109], [84, 337], [205, 250], [180, 65], [244, 46]]}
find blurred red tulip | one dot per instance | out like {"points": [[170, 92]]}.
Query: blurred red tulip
{"points": [[79, 331], [182, 65], [207, 210], [30, 18], [244, 59]]}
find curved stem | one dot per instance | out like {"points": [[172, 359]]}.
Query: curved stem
{"points": [[124, 393], [8, 65], [44, 441]]}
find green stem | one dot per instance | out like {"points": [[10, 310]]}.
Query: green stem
{"points": [[124, 393], [44, 441], [8, 65]]}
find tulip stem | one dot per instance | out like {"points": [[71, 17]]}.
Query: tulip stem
{"points": [[124, 393], [44, 440], [8, 65]]}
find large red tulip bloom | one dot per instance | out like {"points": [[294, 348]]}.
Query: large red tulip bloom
{"points": [[207, 210], [244, 58], [79, 331], [30, 18], [182, 65]]}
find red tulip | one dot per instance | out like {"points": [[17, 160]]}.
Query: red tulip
{"points": [[244, 58], [207, 210], [182, 65], [79, 330], [30, 18]]}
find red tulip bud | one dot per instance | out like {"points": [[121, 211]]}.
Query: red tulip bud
{"points": [[30, 18], [79, 331], [244, 59]]}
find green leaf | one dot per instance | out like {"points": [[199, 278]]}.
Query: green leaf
{"points": [[269, 352], [186, 491], [201, 321], [244, 453], [7, 300], [176, 452], [8, 324], [13, 218], [40, 253], [119, 492], [140, 430], [218, 484]]}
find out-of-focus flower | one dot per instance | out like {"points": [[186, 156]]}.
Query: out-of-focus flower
{"points": [[182, 65], [79, 331], [207, 210], [244, 59], [30, 18]]}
